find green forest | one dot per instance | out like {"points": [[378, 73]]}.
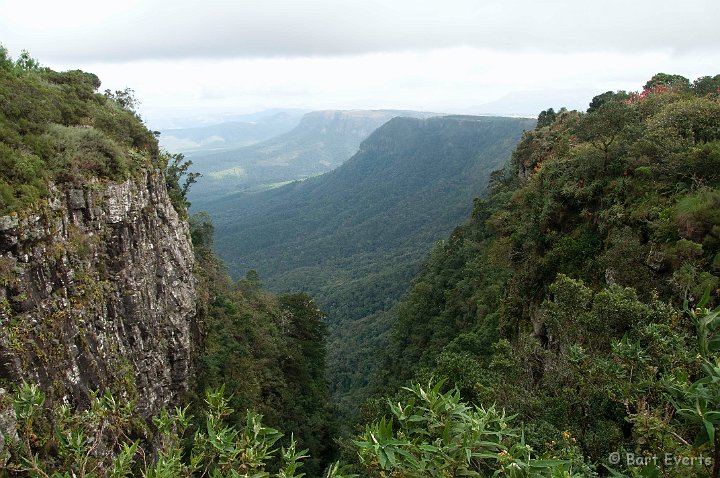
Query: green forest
{"points": [[569, 323]]}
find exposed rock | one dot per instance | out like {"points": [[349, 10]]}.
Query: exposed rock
{"points": [[100, 294], [8, 425], [610, 276], [8, 222], [76, 199], [656, 260]]}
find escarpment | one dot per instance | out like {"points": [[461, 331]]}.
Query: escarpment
{"points": [[97, 292]]}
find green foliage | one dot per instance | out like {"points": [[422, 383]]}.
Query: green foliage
{"points": [[707, 85], [178, 180], [436, 434], [104, 441], [698, 402], [545, 118], [672, 81], [600, 100], [124, 98], [603, 126], [560, 295], [269, 352], [56, 127], [201, 232]]}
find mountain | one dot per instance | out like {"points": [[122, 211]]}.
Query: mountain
{"points": [[242, 130], [319, 143], [353, 238]]}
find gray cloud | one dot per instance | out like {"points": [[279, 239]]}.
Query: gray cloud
{"points": [[126, 31]]}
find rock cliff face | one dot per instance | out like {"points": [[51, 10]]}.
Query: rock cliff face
{"points": [[97, 291]]}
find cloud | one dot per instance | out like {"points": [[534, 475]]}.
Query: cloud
{"points": [[459, 79], [136, 29]]}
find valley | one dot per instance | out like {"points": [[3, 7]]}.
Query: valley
{"points": [[353, 238]]}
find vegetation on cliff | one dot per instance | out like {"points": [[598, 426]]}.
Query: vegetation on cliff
{"points": [[562, 297], [57, 127], [268, 352]]}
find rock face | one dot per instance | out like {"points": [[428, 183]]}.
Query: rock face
{"points": [[8, 426], [97, 291]]}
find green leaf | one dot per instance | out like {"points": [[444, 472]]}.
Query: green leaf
{"points": [[710, 430]]}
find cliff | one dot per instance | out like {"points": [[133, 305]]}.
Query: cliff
{"points": [[97, 291]]}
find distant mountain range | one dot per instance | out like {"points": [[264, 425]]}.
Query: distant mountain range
{"points": [[235, 132], [320, 142], [354, 237]]}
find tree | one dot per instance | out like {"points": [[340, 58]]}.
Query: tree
{"points": [[313, 420], [603, 126], [6, 62], [707, 85], [439, 435], [545, 118], [175, 169], [201, 230], [124, 98], [603, 98], [252, 279], [678, 82], [26, 62]]}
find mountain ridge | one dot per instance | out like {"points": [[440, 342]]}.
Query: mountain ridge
{"points": [[321, 141]]}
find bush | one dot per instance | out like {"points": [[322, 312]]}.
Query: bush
{"points": [[55, 127], [107, 440], [438, 435]]}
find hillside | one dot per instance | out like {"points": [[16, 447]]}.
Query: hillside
{"points": [[575, 294], [322, 141], [354, 237]]}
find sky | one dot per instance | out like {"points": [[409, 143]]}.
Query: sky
{"points": [[194, 62]]}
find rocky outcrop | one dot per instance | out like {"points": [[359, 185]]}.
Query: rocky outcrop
{"points": [[97, 291], [8, 426]]}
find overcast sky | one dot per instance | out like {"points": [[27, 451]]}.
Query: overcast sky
{"points": [[192, 60]]}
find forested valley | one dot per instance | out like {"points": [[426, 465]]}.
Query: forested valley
{"points": [[568, 322], [354, 238]]}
